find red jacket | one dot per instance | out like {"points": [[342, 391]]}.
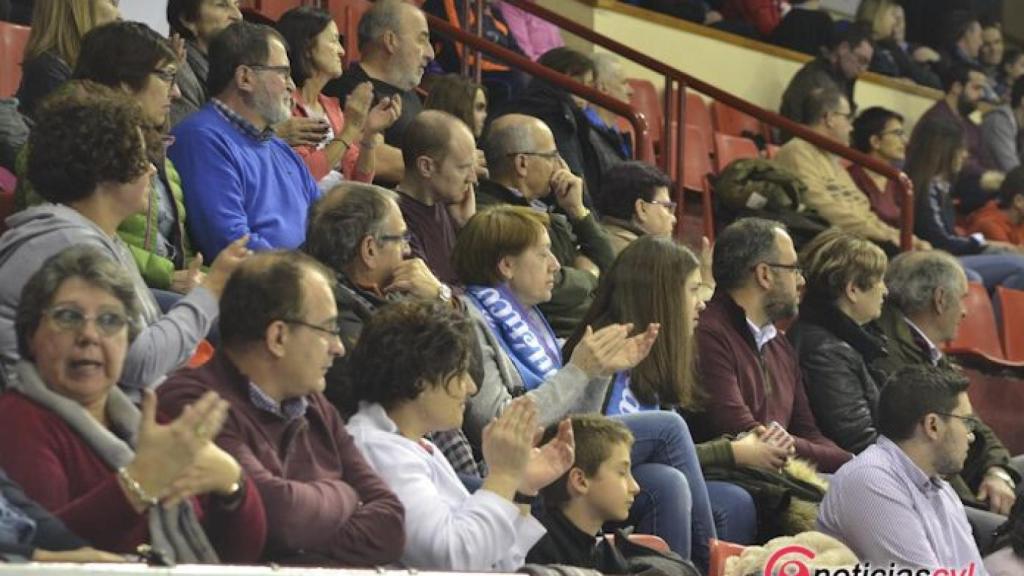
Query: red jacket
{"points": [[763, 14], [325, 505], [57, 469], [991, 221], [733, 373], [316, 159]]}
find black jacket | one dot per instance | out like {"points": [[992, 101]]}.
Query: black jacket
{"points": [[842, 389], [50, 534], [569, 125]]}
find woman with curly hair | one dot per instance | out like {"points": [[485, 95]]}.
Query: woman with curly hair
{"points": [[89, 161]]}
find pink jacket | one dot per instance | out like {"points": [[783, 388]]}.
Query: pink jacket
{"points": [[534, 36]]}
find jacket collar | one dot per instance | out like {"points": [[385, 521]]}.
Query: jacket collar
{"points": [[817, 310]]}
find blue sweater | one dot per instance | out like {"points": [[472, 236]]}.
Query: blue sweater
{"points": [[235, 184]]}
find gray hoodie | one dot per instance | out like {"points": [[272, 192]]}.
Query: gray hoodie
{"points": [[165, 342]]}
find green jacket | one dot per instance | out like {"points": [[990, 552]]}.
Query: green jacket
{"points": [[986, 451], [138, 231]]}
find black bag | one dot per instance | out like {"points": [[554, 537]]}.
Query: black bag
{"points": [[623, 556]]}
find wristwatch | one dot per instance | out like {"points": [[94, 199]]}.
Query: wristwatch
{"points": [[1003, 475], [444, 293]]}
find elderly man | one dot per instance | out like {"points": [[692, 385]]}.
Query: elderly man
{"points": [[1002, 130], [611, 145], [279, 330], [436, 192], [394, 47], [237, 176], [750, 373], [525, 168], [830, 189], [923, 311], [892, 504]]}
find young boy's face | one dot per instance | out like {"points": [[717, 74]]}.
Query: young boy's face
{"points": [[612, 489]]}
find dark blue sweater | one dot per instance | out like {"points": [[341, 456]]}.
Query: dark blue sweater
{"points": [[235, 184]]}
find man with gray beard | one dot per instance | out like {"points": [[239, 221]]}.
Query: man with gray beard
{"points": [[750, 375], [238, 178]]}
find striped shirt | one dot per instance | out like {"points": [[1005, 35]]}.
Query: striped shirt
{"points": [[884, 507]]}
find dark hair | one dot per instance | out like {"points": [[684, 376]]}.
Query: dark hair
{"points": [[741, 246], [453, 94], [595, 436], [567, 61], [300, 26], [931, 154], [242, 43], [1013, 186], [406, 347], [623, 184], [957, 73], [1010, 56], [122, 51], [1011, 532], [913, 392], [820, 101], [957, 23], [871, 122], [85, 262], [178, 10], [340, 219], [1017, 92], [82, 138], [429, 134], [853, 35], [644, 286], [266, 287]]}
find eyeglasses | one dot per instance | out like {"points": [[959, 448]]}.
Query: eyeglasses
{"points": [[669, 204], [74, 320], [334, 332], [284, 71], [549, 155], [168, 76], [795, 268], [970, 422], [404, 238]]}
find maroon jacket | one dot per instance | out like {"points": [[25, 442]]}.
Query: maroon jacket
{"points": [[325, 505], [746, 387]]}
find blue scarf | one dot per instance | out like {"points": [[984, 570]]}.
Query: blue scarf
{"points": [[621, 400], [524, 334]]}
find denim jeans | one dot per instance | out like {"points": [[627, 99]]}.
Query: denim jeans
{"points": [[673, 502], [735, 513], [1006, 270]]}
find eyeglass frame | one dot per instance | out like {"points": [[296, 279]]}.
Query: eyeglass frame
{"points": [[84, 319], [336, 332], [670, 204], [167, 77], [971, 422], [791, 267], [404, 238]]}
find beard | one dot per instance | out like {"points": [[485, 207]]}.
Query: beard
{"points": [[780, 306], [272, 109], [965, 107], [947, 463]]}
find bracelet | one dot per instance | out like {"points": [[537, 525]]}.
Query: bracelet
{"points": [[135, 488]]}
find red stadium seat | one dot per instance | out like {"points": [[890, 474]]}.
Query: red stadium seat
{"points": [[12, 49], [1011, 305], [7, 185], [978, 335], [697, 114], [728, 120], [773, 150], [272, 9], [696, 163], [720, 552], [646, 100], [346, 14], [729, 148]]}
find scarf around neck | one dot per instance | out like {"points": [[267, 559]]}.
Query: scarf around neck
{"points": [[175, 532], [524, 334]]}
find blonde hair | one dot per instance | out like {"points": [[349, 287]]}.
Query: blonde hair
{"points": [[58, 26], [871, 12], [836, 258]]}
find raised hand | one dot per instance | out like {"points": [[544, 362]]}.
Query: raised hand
{"points": [[183, 281], [382, 116], [507, 444], [611, 350], [568, 190], [549, 462], [357, 106], [225, 264]]}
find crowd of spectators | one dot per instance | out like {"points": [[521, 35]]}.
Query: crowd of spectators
{"points": [[400, 294]]}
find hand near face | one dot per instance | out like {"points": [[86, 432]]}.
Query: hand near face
{"points": [[482, 173], [550, 461], [463, 211], [413, 277], [568, 190], [178, 46]]}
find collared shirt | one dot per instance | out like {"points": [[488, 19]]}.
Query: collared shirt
{"points": [[289, 409], [243, 125], [762, 334], [934, 354], [886, 509]]}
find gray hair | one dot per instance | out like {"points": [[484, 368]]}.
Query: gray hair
{"points": [[741, 246], [340, 220], [506, 136], [384, 16], [605, 64], [913, 277], [87, 263]]}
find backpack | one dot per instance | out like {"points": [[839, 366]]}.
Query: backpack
{"points": [[620, 555]]}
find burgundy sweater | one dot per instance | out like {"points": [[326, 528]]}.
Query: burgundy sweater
{"points": [[325, 505], [746, 387], [57, 469]]}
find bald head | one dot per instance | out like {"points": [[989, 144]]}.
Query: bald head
{"points": [[511, 134], [429, 134]]}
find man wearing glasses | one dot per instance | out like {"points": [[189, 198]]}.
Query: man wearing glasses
{"points": [[525, 169], [924, 310], [238, 178], [892, 503], [750, 372], [279, 335]]}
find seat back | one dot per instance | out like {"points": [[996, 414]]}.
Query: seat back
{"points": [[272, 9], [720, 552], [728, 120], [646, 100], [13, 39], [696, 160], [978, 334], [729, 148], [697, 114], [1011, 306]]}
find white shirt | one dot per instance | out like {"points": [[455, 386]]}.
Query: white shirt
{"points": [[762, 334], [446, 527]]}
